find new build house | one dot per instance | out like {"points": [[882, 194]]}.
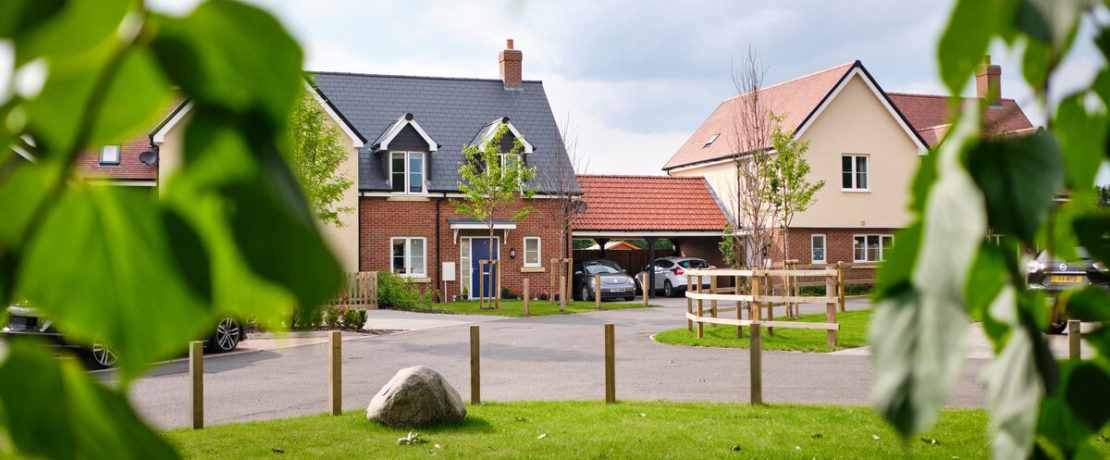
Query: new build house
{"points": [[865, 144]]}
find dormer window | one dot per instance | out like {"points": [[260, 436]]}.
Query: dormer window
{"points": [[490, 130], [711, 139], [406, 172]]}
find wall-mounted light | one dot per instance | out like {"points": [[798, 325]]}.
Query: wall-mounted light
{"points": [[512, 253]]}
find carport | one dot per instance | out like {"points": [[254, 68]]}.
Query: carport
{"points": [[682, 209]]}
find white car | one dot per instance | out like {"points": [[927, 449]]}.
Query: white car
{"points": [[670, 274]]}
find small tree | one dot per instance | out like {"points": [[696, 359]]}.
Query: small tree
{"points": [[564, 185], [490, 180], [316, 154], [789, 192]]}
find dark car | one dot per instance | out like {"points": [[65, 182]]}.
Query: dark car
{"points": [[1054, 275], [615, 282], [23, 321]]}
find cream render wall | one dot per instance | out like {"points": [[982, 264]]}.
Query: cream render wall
{"points": [[856, 122], [342, 241]]}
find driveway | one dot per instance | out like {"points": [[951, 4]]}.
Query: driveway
{"points": [[538, 358]]}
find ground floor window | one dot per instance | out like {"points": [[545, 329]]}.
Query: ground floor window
{"points": [[817, 246], [409, 255], [532, 252], [871, 248]]}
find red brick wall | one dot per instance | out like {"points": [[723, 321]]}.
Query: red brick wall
{"points": [[129, 167], [380, 220], [838, 242], [706, 248]]}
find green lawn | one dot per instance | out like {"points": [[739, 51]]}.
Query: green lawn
{"points": [[516, 307], [853, 333], [591, 429]]}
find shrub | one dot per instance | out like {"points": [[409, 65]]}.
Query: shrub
{"points": [[507, 293], [331, 316], [395, 291], [302, 320], [544, 295], [354, 318]]}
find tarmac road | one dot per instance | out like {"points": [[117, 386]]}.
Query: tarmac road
{"points": [[538, 358]]}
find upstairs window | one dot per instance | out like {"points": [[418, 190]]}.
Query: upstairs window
{"points": [[407, 172], [109, 155], [854, 172]]}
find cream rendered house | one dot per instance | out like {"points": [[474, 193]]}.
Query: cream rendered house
{"points": [[864, 143], [168, 137]]}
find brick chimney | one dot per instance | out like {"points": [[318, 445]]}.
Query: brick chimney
{"points": [[988, 83], [509, 61]]}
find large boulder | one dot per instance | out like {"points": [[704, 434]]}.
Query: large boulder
{"points": [[416, 396]]}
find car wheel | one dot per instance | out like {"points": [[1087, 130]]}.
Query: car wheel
{"points": [[630, 298], [1057, 327], [102, 357], [668, 290], [585, 293], [226, 337]]}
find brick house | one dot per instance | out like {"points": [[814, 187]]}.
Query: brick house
{"points": [[417, 128], [864, 142]]}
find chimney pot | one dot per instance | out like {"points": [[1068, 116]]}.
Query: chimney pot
{"points": [[509, 45]]}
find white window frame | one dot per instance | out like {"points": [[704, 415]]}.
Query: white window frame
{"points": [[119, 154], [824, 248], [408, 173], [855, 183], [408, 256], [882, 249], [539, 252]]}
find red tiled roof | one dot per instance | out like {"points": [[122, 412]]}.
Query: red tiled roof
{"points": [[930, 116], [129, 167], [647, 203], [795, 99]]}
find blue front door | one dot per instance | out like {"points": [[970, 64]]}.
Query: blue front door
{"points": [[482, 281]]}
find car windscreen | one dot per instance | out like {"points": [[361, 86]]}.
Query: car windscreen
{"points": [[595, 268], [1081, 255], [694, 263]]}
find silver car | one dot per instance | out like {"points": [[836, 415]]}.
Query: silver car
{"points": [[670, 274]]}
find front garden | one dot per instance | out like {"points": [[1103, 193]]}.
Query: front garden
{"points": [[853, 333]]}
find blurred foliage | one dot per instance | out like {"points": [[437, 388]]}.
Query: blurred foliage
{"points": [[230, 232], [945, 269]]}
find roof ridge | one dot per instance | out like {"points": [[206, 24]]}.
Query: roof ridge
{"points": [[640, 176], [849, 64], [897, 93], [422, 77]]}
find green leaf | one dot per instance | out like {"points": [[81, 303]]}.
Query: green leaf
{"points": [[55, 410], [233, 56], [78, 27], [1088, 383], [1035, 62], [1090, 304], [1093, 230], [986, 280], [102, 262], [1014, 391], [1082, 140], [135, 100], [1020, 178], [898, 266], [1051, 21], [965, 39], [923, 181], [21, 16]]}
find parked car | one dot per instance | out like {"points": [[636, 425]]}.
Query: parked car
{"points": [[24, 321], [615, 282], [670, 274], [1055, 275]]}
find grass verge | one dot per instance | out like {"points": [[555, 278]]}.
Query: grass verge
{"points": [[591, 429], [853, 333], [516, 308]]}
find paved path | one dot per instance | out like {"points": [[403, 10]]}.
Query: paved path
{"points": [[538, 358]]}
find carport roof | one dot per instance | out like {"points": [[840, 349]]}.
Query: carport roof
{"points": [[649, 205]]}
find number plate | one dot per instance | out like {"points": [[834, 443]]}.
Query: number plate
{"points": [[1067, 279]]}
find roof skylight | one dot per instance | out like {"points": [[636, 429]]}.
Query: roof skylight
{"points": [[711, 139]]}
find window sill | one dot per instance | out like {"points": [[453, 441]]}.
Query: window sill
{"points": [[408, 198], [533, 270], [856, 190], [417, 279]]}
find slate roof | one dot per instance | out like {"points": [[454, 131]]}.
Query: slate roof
{"points": [[930, 116], [648, 203], [452, 111]]}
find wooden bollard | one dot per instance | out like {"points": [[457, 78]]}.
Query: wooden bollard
{"points": [[481, 284], [526, 297], [554, 270], [701, 311], [839, 285], [830, 313], [756, 362], [713, 303], [770, 305], [739, 308], [563, 295], [570, 281], [689, 303], [1073, 339], [196, 377], [643, 286], [610, 365], [335, 376], [597, 291], [475, 368]]}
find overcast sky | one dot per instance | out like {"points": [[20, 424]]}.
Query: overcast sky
{"points": [[636, 78]]}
